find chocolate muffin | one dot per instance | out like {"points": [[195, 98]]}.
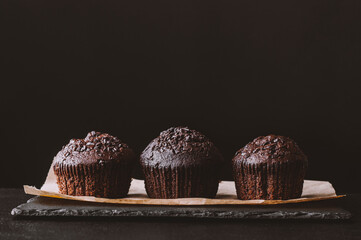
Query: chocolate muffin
{"points": [[99, 165], [181, 163], [270, 167]]}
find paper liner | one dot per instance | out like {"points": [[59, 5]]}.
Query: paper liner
{"points": [[181, 182], [111, 180], [269, 180], [226, 195]]}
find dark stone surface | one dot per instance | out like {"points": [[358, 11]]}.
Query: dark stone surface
{"points": [[42, 206], [165, 228]]}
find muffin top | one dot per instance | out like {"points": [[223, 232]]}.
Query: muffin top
{"points": [[180, 146], [270, 149], [96, 147]]}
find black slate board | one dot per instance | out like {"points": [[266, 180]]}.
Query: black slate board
{"points": [[52, 207]]}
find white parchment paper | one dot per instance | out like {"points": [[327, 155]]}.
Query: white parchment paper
{"points": [[312, 191]]}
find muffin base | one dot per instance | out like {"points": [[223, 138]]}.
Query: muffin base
{"points": [[109, 180], [181, 182], [275, 181]]}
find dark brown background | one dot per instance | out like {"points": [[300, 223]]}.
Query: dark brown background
{"points": [[232, 69]]}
